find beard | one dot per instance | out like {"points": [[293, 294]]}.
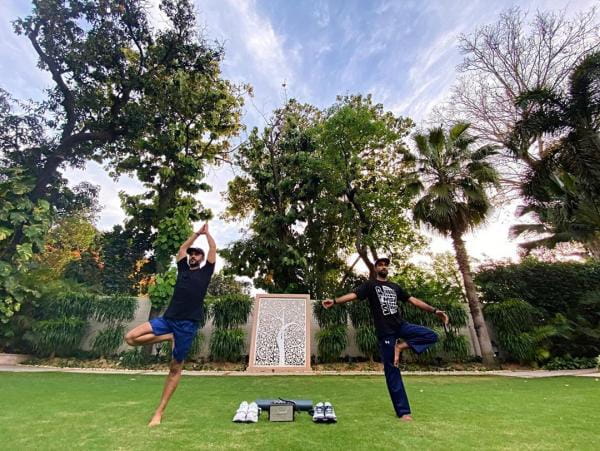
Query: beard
{"points": [[383, 273], [194, 264]]}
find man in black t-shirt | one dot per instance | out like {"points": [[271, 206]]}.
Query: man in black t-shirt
{"points": [[383, 297], [181, 320]]}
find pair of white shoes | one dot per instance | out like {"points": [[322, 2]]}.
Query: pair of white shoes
{"points": [[324, 413], [247, 413]]}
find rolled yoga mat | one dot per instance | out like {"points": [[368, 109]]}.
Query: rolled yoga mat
{"points": [[303, 405]]}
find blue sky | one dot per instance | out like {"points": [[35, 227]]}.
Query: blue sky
{"points": [[404, 52]]}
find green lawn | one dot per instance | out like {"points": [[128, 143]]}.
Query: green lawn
{"points": [[88, 411]]}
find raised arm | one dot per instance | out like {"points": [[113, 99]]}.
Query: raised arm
{"points": [[327, 303], [182, 252], [212, 246]]}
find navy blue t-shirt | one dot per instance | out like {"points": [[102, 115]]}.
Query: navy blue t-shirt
{"points": [[190, 289], [383, 299]]}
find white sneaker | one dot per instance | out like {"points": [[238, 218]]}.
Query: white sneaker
{"points": [[319, 414], [329, 413], [253, 413], [241, 413]]}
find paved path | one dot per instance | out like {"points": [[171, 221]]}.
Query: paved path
{"points": [[523, 374]]}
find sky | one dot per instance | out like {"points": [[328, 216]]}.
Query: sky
{"points": [[403, 52]]}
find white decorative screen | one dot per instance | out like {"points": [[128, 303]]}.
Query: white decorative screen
{"points": [[281, 335]]}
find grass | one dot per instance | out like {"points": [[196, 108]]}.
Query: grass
{"points": [[89, 411]]}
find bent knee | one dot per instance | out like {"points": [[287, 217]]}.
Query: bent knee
{"points": [[130, 340]]}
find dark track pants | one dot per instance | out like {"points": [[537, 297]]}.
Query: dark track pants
{"points": [[419, 338]]}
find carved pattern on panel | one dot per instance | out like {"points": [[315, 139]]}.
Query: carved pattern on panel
{"points": [[280, 332]]}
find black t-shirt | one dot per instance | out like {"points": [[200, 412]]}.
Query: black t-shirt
{"points": [[383, 299], [188, 297]]}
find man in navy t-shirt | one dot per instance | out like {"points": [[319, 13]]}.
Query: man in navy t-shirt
{"points": [[181, 320], [383, 297]]}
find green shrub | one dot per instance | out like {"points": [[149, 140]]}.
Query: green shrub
{"points": [[512, 315], [519, 347], [55, 304], [455, 346], [230, 311], [196, 346], [114, 309], [227, 340], [519, 330], [332, 339], [226, 345], [366, 340], [161, 291], [134, 358], [331, 342], [360, 313], [569, 289], [570, 363], [57, 336], [108, 341], [165, 350], [334, 316]]}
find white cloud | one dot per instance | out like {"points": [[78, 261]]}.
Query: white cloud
{"points": [[18, 60], [321, 13], [263, 45]]}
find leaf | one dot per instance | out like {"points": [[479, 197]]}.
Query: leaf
{"points": [[5, 233]]}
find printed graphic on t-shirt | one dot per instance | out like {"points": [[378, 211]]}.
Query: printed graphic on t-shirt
{"points": [[387, 299]]}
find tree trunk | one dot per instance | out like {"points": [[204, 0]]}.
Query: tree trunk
{"points": [[487, 354], [473, 335], [364, 256]]}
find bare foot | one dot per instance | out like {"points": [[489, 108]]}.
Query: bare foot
{"points": [[397, 355], [155, 421], [406, 418], [398, 348]]}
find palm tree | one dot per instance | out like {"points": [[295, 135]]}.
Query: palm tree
{"points": [[452, 181], [564, 213], [563, 188]]}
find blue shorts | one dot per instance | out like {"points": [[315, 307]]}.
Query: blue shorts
{"points": [[183, 331]]}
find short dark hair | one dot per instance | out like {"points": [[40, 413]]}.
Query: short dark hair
{"points": [[194, 249], [383, 259]]}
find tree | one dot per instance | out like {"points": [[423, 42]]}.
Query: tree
{"points": [[318, 187], [563, 188], [24, 223], [125, 267], [362, 148], [191, 114], [279, 179], [509, 57], [222, 284], [65, 242], [105, 61], [87, 48], [454, 179], [22, 133]]}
